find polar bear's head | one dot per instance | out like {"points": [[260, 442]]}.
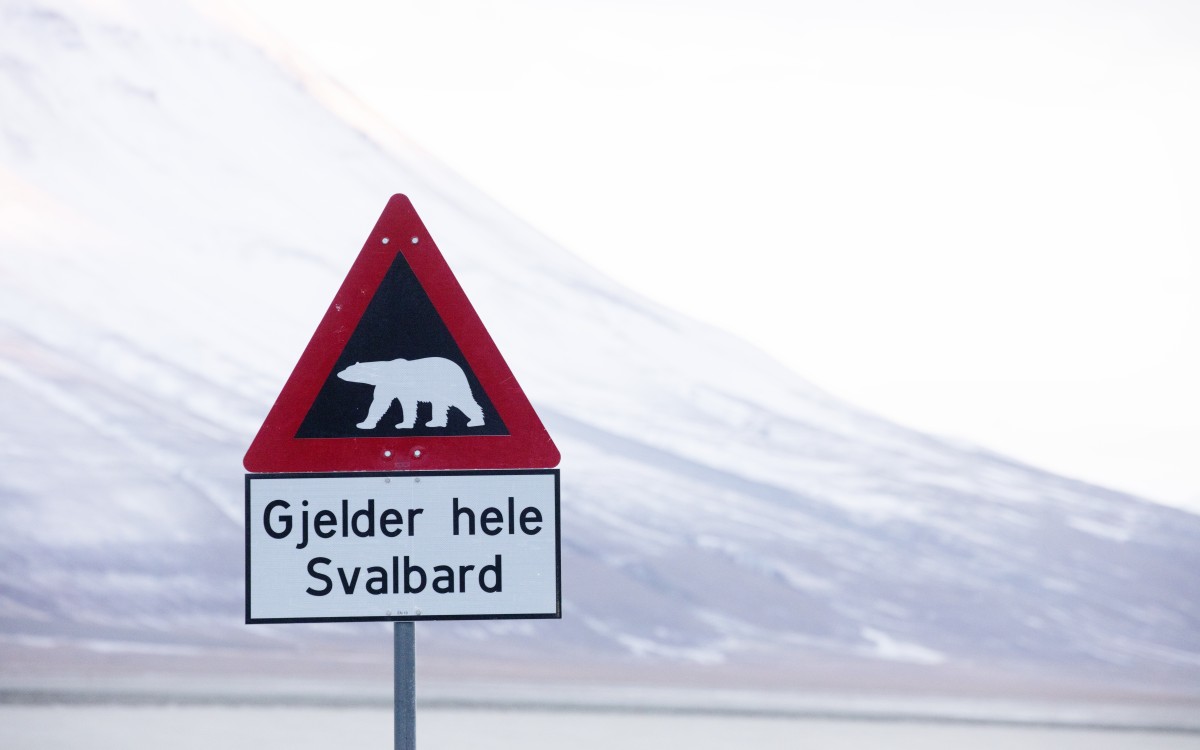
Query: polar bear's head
{"points": [[367, 372]]}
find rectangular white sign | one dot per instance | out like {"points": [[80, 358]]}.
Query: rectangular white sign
{"points": [[402, 546]]}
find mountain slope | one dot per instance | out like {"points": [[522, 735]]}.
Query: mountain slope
{"points": [[176, 210]]}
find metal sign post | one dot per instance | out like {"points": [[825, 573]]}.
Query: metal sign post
{"points": [[405, 690]]}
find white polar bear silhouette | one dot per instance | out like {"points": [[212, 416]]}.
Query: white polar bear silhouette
{"points": [[432, 380]]}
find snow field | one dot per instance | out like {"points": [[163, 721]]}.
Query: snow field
{"points": [[202, 728]]}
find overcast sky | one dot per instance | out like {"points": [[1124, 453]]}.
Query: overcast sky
{"points": [[978, 219]]}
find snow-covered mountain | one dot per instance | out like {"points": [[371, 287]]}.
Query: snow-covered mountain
{"points": [[177, 208]]}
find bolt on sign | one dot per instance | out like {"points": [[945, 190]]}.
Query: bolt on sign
{"points": [[402, 473]]}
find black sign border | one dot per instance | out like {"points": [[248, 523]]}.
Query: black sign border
{"points": [[556, 615]]}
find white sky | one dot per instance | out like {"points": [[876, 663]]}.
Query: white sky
{"points": [[978, 219]]}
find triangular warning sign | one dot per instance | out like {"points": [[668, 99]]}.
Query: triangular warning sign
{"points": [[400, 374]]}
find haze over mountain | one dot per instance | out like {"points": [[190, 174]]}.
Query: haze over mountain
{"points": [[177, 208]]}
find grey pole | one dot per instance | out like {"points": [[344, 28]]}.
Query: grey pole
{"points": [[405, 659]]}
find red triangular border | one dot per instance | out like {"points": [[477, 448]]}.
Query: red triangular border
{"points": [[276, 449]]}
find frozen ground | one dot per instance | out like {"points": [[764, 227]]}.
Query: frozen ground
{"points": [[185, 727]]}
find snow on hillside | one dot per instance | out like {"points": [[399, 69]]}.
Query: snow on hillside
{"points": [[176, 211]]}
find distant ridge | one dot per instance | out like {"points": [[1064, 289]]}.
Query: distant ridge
{"points": [[178, 210]]}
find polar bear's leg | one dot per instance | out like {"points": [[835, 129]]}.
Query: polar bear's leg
{"points": [[379, 404], [410, 414], [439, 414], [474, 413]]}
